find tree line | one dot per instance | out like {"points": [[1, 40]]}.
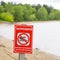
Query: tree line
{"points": [[13, 12]]}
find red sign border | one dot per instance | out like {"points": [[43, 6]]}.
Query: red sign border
{"points": [[30, 26]]}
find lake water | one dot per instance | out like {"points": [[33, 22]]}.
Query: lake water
{"points": [[46, 35]]}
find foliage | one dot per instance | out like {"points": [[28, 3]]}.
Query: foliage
{"points": [[1, 9], [7, 17], [9, 7], [42, 14], [36, 6], [32, 17], [57, 15], [18, 13], [51, 15], [3, 3], [48, 8], [26, 12], [54, 15]]}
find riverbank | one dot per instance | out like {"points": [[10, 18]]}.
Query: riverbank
{"points": [[3, 22], [6, 52]]}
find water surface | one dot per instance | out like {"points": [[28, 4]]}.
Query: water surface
{"points": [[46, 35]]}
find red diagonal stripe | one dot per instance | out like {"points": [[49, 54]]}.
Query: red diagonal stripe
{"points": [[24, 39]]}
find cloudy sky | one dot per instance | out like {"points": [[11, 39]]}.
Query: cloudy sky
{"points": [[54, 3]]}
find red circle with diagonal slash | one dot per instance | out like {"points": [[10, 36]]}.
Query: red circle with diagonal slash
{"points": [[26, 41]]}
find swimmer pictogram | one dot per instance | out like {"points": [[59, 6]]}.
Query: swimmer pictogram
{"points": [[23, 39]]}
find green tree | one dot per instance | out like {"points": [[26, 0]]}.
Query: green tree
{"points": [[36, 7], [54, 15], [42, 14], [26, 13], [7, 17], [51, 16], [32, 17], [57, 15], [1, 9], [9, 7], [3, 3], [28, 10], [18, 13], [48, 8]]}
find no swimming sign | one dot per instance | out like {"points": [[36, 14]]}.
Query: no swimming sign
{"points": [[23, 35]]}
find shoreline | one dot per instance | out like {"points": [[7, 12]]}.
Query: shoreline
{"points": [[3, 22], [28, 22], [7, 52]]}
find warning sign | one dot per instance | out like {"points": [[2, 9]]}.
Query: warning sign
{"points": [[23, 38]]}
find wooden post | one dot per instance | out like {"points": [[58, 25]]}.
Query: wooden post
{"points": [[22, 57]]}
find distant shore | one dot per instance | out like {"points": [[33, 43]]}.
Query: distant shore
{"points": [[3, 22]]}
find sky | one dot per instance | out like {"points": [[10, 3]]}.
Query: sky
{"points": [[54, 3]]}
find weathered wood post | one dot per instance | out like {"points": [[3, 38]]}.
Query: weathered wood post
{"points": [[22, 57]]}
